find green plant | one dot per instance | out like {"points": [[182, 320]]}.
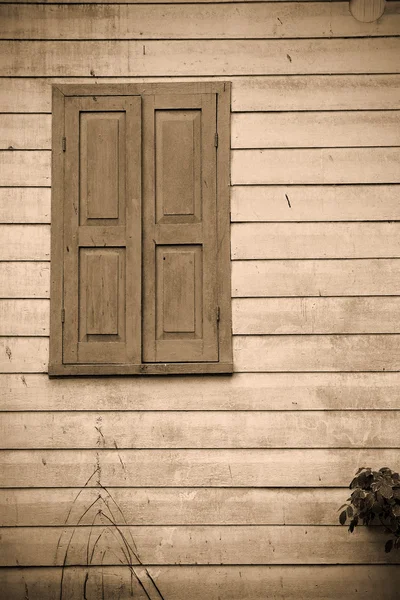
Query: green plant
{"points": [[375, 499]]}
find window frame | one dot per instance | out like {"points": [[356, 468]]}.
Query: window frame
{"points": [[225, 362]]}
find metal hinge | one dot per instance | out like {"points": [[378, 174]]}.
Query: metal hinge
{"points": [[218, 314], [216, 139], [64, 144], [62, 315]]}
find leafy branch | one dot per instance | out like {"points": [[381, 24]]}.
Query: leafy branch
{"points": [[375, 499]]}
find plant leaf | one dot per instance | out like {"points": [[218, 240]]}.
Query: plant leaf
{"points": [[388, 546], [343, 517]]}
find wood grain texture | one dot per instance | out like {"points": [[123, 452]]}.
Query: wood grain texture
{"points": [[316, 166], [249, 130], [317, 353], [185, 545], [19, 168], [334, 277], [24, 317], [316, 315], [24, 242], [315, 203], [255, 20], [272, 93], [169, 506], [188, 468], [25, 132], [24, 205], [25, 279], [172, 506], [315, 240], [25, 355], [316, 92], [308, 130], [244, 391], [128, 430], [214, 583], [199, 57]]}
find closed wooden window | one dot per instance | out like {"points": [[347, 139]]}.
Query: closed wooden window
{"points": [[140, 229]]}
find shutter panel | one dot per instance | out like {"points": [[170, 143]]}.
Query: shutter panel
{"points": [[102, 230], [179, 227]]}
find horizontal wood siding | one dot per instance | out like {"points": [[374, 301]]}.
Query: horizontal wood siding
{"points": [[227, 486]]}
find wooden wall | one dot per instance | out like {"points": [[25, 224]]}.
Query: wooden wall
{"points": [[229, 486]]}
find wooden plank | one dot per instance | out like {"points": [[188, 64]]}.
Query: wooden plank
{"points": [[316, 315], [244, 391], [24, 205], [309, 129], [261, 544], [199, 57], [317, 353], [315, 240], [19, 168], [272, 93], [315, 203], [313, 353], [215, 583], [316, 166], [188, 468], [318, 92], [256, 20], [249, 130], [24, 317], [222, 429], [24, 280], [169, 506], [277, 278], [25, 355], [24, 242], [25, 132]]}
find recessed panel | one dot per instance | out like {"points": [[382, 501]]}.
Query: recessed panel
{"points": [[102, 294], [102, 169], [178, 165], [179, 292]]}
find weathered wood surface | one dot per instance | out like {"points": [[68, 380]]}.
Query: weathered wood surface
{"points": [[250, 316], [245, 391], [214, 583], [261, 544], [249, 241], [286, 166], [24, 280], [25, 132], [316, 166], [292, 353], [315, 203], [243, 21], [247, 429], [272, 93], [315, 240], [169, 506], [24, 242], [249, 130], [188, 468], [23, 354], [24, 205], [19, 168], [308, 130], [334, 277], [24, 317], [315, 315], [317, 353], [199, 57]]}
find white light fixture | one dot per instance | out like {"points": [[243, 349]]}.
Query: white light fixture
{"points": [[367, 11]]}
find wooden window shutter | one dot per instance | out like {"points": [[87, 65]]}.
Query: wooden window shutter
{"points": [[180, 300], [102, 230]]}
